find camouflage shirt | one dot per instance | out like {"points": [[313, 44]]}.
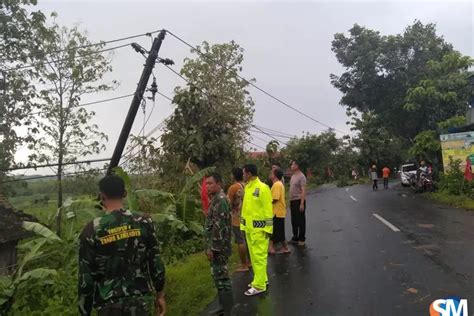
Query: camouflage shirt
{"points": [[118, 260], [218, 225]]}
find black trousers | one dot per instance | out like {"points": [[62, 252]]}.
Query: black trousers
{"points": [[298, 220], [375, 186], [385, 183]]}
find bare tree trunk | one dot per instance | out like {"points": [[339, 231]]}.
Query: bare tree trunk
{"points": [[60, 183], [60, 162], [60, 196]]}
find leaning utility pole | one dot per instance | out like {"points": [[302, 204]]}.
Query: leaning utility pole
{"points": [[137, 98]]}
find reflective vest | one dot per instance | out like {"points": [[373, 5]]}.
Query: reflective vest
{"points": [[257, 210]]}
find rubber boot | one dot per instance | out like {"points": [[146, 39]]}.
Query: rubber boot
{"points": [[226, 299]]}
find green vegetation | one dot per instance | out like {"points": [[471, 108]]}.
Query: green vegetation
{"points": [[52, 291], [454, 189], [461, 201], [189, 286], [46, 279], [400, 92]]}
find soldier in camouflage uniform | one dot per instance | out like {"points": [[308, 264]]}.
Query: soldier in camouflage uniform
{"points": [[119, 261], [218, 242]]}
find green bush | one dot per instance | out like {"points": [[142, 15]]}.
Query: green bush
{"points": [[452, 180], [55, 296], [342, 181]]}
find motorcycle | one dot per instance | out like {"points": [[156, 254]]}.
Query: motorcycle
{"points": [[421, 182]]}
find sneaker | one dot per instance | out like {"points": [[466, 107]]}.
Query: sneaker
{"points": [[292, 241], [253, 291], [301, 243]]}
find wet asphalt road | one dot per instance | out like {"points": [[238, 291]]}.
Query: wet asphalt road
{"points": [[354, 264]]}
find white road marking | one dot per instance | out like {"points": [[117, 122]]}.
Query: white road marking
{"points": [[353, 198], [383, 220]]}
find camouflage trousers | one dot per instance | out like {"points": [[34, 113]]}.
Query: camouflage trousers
{"points": [[220, 273], [138, 307]]}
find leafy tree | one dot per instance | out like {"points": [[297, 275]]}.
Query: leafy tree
{"points": [[375, 143], [344, 160], [426, 146], [22, 30], [73, 70], [314, 152], [443, 92], [455, 121], [384, 74], [214, 112]]}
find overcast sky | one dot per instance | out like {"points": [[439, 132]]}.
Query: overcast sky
{"points": [[287, 49]]}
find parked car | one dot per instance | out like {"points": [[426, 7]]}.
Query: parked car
{"points": [[406, 172]]}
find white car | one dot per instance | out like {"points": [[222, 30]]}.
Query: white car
{"points": [[405, 173]]}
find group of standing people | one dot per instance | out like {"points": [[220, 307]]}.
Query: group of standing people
{"points": [[374, 176], [119, 261], [255, 215]]}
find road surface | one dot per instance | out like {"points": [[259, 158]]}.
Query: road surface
{"points": [[389, 252]]}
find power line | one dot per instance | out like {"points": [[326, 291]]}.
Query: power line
{"points": [[52, 176], [133, 155], [254, 85], [259, 138], [55, 164], [105, 100], [165, 96], [154, 129], [275, 135], [99, 43], [279, 132], [91, 103], [66, 59], [279, 141], [185, 79], [257, 146]]}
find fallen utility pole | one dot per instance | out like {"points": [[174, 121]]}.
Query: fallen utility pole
{"points": [[137, 98]]}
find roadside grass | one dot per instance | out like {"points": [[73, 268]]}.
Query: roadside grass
{"points": [[189, 286], [460, 201]]}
